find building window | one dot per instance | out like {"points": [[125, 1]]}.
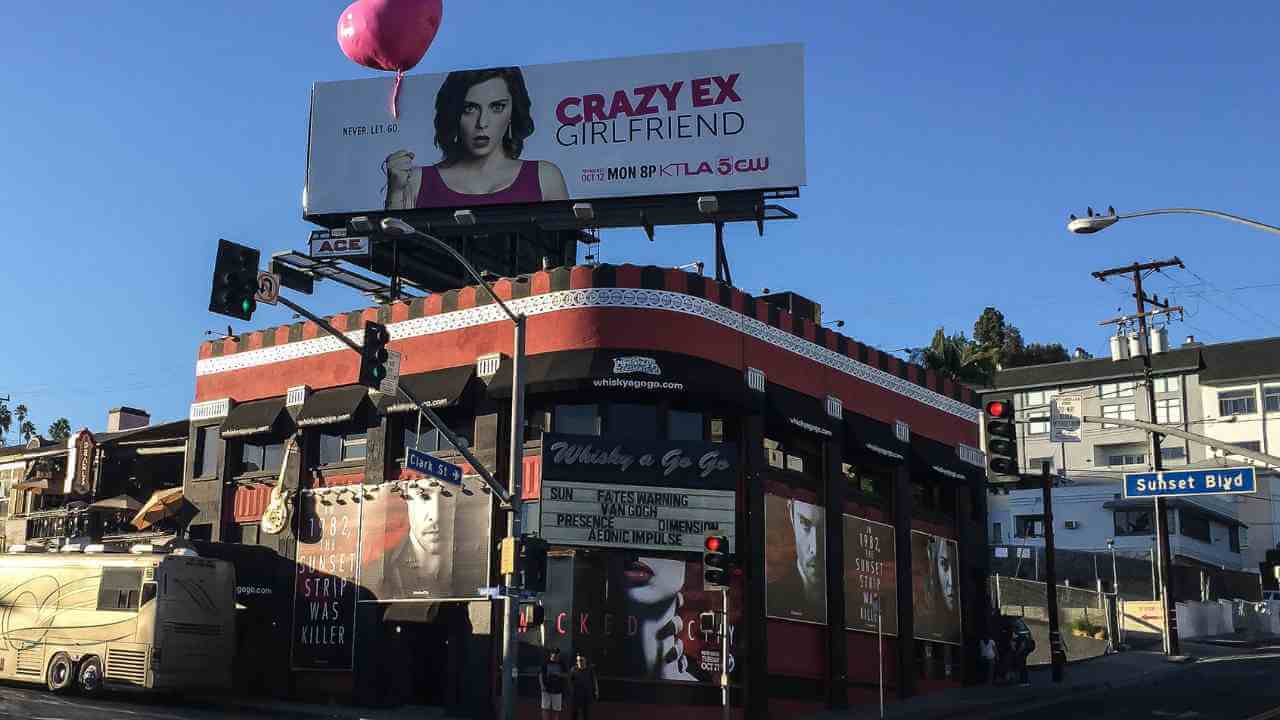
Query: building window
{"points": [[1126, 458], [874, 485], [997, 533], [1127, 411], [790, 458], [1194, 525], [342, 443], [1169, 411], [577, 419], [684, 425], [1116, 390], [200, 531], [243, 533], [206, 452], [1271, 398], [1036, 465], [1242, 534], [1036, 398], [637, 421], [1237, 402], [1167, 384], [1173, 453], [1233, 538], [1029, 526], [261, 456], [1254, 445], [1038, 425], [430, 439], [717, 430], [1134, 522]]}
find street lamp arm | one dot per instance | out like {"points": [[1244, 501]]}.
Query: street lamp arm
{"points": [[1200, 211], [470, 270]]}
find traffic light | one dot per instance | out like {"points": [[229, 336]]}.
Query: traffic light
{"points": [[235, 281], [373, 354], [717, 562], [533, 564], [1002, 437]]}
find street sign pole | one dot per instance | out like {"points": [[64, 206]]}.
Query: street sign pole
{"points": [[510, 671]]}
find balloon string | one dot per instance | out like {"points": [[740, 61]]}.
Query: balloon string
{"points": [[395, 96]]}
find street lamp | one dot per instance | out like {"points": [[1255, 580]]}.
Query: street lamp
{"points": [[1095, 222], [1115, 579], [396, 226]]}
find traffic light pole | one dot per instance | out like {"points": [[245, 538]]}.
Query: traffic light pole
{"points": [[1056, 656], [510, 668], [724, 656]]}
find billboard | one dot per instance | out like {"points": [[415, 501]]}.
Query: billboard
{"points": [[870, 573], [635, 493], [795, 559], [325, 589], [636, 616], [424, 541], [654, 125], [935, 565]]}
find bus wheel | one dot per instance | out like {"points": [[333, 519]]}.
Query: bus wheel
{"points": [[61, 673], [89, 679]]}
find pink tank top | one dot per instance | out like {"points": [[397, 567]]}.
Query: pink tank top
{"points": [[525, 189]]}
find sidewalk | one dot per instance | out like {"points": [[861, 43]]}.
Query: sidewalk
{"points": [[1094, 675], [289, 710]]}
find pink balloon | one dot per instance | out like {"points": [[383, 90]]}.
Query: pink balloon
{"points": [[389, 34]]}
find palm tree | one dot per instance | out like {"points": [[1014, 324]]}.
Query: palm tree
{"points": [[6, 419], [27, 431], [60, 430], [959, 358], [20, 418]]}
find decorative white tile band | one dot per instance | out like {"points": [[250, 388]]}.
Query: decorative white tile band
{"points": [[602, 298]]}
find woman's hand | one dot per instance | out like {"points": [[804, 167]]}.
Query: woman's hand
{"points": [[399, 164]]}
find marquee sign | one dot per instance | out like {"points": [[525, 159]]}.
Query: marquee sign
{"points": [[636, 494]]}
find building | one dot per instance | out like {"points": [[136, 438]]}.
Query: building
{"points": [[1227, 391], [90, 487], [661, 407]]}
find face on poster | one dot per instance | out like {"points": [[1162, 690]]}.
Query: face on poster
{"points": [[325, 583], [935, 581], [636, 615], [870, 574], [653, 125], [795, 559], [425, 541]]}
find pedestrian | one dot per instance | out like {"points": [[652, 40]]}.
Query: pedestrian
{"points": [[1024, 647], [585, 688], [987, 647], [551, 679]]}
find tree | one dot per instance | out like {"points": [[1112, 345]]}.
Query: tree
{"points": [[20, 417], [27, 430], [1039, 354], [6, 420], [957, 357], [60, 430]]}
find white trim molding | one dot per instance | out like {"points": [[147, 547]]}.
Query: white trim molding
{"points": [[210, 409], [633, 298]]}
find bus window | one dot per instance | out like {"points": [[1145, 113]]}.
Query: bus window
{"points": [[119, 589]]}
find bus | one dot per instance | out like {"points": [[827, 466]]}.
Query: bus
{"points": [[85, 619]]}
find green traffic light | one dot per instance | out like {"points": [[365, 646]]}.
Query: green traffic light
{"points": [[379, 372], [246, 305]]}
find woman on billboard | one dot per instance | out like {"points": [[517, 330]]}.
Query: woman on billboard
{"points": [[650, 603], [482, 121]]}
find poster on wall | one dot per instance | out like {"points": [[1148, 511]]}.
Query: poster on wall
{"points": [[425, 541], [870, 575], [653, 125], [636, 616], [620, 492], [935, 587], [325, 587], [795, 559]]}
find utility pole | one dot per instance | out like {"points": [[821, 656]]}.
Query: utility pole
{"points": [[1056, 656], [1136, 271]]}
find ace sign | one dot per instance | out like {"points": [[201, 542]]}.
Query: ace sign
{"points": [[337, 243]]}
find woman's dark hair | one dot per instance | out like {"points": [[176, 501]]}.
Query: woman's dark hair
{"points": [[453, 94]]}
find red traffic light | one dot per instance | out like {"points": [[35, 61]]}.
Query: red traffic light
{"points": [[713, 543], [999, 409]]}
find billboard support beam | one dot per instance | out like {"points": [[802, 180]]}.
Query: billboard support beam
{"points": [[723, 274]]}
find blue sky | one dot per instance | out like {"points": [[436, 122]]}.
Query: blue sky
{"points": [[946, 144]]}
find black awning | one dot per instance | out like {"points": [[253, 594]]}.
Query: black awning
{"points": [[435, 389], [941, 459], [638, 371], [335, 405], [799, 411], [875, 438], [253, 418]]}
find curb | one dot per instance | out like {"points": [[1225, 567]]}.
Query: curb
{"points": [[1091, 689]]}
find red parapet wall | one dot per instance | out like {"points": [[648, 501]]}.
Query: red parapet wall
{"points": [[603, 307]]}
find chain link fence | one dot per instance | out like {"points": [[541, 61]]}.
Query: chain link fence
{"points": [[1084, 616]]}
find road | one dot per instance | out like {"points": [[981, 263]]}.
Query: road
{"points": [[1237, 687], [18, 702]]}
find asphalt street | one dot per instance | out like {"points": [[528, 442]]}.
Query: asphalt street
{"points": [[1236, 687], [33, 703]]}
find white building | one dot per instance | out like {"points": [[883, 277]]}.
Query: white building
{"points": [[1229, 391]]}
